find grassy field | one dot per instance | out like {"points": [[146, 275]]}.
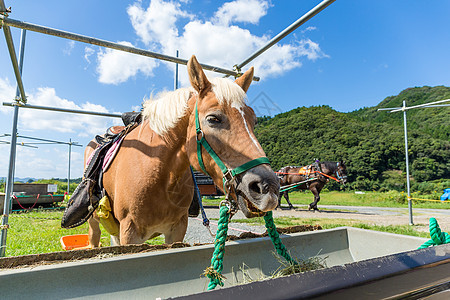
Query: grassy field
{"points": [[40, 231]]}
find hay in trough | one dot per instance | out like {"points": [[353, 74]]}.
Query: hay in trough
{"points": [[285, 269]]}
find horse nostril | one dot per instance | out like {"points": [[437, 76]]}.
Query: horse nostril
{"points": [[254, 187], [259, 188]]}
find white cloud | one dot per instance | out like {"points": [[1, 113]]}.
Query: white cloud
{"points": [[217, 41], [309, 28], [69, 47], [7, 94], [81, 124], [48, 162], [117, 66], [310, 49], [30, 119], [88, 51], [246, 11], [156, 23]]}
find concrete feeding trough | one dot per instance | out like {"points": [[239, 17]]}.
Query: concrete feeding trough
{"points": [[350, 252]]}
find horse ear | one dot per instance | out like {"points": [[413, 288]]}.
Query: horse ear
{"points": [[196, 75], [245, 80]]}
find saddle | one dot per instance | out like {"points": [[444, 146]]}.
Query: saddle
{"points": [[86, 197]]}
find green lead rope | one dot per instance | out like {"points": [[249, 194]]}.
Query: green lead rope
{"points": [[437, 236], [275, 238], [214, 272]]}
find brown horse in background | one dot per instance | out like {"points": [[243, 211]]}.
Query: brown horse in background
{"points": [[149, 183], [319, 175]]}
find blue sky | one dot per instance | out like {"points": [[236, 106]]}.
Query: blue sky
{"points": [[351, 55]]}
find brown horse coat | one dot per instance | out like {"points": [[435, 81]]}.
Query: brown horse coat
{"points": [[149, 182]]}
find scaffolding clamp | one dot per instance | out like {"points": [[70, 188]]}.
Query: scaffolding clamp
{"points": [[18, 101], [6, 12], [237, 69]]}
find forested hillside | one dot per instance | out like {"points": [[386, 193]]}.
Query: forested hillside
{"points": [[434, 121], [371, 142]]}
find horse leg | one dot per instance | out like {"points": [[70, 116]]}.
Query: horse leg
{"points": [[177, 231], [129, 233], [94, 232], [286, 195], [279, 200], [313, 205]]}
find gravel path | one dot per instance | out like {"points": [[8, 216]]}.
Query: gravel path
{"points": [[197, 233]]}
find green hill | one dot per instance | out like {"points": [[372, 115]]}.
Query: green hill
{"points": [[371, 142], [434, 121]]}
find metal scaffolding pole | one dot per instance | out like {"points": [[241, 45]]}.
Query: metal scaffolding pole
{"points": [[408, 185], [108, 44], [45, 140], [68, 172], [12, 152], [12, 53], [404, 108], [175, 80], [67, 110], [302, 20]]}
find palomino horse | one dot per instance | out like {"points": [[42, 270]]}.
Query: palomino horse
{"points": [[316, 179], [149, 183]]}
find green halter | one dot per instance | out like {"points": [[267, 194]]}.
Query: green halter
{"points": [[228, 174]]}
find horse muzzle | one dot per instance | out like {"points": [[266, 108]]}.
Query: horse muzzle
{"points": [[257, 191]]}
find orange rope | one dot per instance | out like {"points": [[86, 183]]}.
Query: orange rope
{"points": [[299, 174], [17, 199], [326, 175]]}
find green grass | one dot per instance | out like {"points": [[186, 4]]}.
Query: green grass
{"points": [[40, 231], [374, 199]]}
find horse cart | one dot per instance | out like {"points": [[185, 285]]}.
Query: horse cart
{"points": [[32, 195], [206, 185]]}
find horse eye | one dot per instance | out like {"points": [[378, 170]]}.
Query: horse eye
{"points": [[213, 119]]}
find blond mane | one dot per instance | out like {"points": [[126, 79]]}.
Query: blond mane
{"points": [[164, 112]]}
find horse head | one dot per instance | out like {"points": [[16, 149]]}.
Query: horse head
{"points": [[341, 172], [221, 121]]}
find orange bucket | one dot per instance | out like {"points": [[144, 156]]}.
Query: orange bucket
{"points": [[76, 241]]}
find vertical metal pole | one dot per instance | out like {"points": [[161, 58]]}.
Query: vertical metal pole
{"points": [[12, 158], [175, 83], [407, 166], [68, 173]]}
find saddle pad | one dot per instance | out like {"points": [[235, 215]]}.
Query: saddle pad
{"points": [[111, 154], [306, 170]]}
